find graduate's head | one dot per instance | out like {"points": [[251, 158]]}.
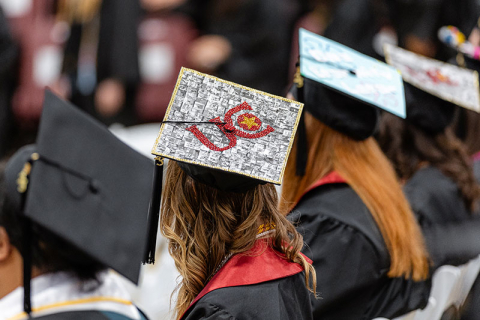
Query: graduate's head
{"points": [[77, 200], [205, 224], [49, 252], [434, 91], [409, 148], [226, 147]]}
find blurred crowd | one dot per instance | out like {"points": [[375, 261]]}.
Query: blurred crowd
{"points": [[119, 59]]}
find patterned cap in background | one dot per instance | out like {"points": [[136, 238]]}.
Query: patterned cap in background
{"points": [[443, 80]]}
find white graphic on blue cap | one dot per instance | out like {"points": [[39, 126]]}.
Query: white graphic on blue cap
{"points": [[352, 73]]}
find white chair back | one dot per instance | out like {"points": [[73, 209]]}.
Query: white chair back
{"points": [[450, 287]]}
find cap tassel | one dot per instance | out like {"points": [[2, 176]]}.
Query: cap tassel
{"points": [[27, 265], [302, 144], [302, 148], [22, 187], [154, 212]]}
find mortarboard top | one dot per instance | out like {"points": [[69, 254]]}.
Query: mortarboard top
{"points": [[86, 186], [443, 80], [226, 135], [351, 73]]}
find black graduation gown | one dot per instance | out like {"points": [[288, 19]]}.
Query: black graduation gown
{"points": [[351, 258], [451, 234], [443, 216], [263, 286], [435, 198]]}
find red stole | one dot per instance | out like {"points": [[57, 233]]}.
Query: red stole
{"points": [[258, 265], [329, 178]]}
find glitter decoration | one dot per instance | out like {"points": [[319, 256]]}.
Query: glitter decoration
{"points": [[249, 122]]}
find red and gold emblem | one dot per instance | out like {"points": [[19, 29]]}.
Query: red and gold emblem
{"points": [[246, 121]]}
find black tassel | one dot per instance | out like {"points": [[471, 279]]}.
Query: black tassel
{"points": [[154, 212], [302, 144], [27, 241], [27, 265]]}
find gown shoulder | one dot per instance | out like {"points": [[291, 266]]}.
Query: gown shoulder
{"points": [[435, 198], [282, 299], [351, 259]]}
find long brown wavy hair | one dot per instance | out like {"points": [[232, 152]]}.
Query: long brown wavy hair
{"points": [[408, 147], [366, 169], [204, 225]]}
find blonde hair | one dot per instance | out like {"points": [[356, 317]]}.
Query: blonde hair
{"points": [[204, 225], [367, 171]]}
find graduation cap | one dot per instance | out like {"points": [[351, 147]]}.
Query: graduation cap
{"points": [[434, 88], [344, 89], [224, 135], [84, 185]]}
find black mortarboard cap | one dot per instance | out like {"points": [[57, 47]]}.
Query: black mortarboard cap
{"points": [[85, 186], [426, 111]]}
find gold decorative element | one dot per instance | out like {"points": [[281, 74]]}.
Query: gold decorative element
{"points": [[160, 161], [22, 180], [461, 60], [167, 114], [266, 227], [249, 121], [35, 156], [63, 304], [297, 78]]}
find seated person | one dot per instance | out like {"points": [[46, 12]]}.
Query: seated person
{"points": [[66, 216]]}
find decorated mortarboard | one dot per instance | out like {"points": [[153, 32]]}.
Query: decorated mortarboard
{"points": [[224, 135], [443, 80], [433, 88], [344, 89], [86, 186], [221, 125], [350, 72]]}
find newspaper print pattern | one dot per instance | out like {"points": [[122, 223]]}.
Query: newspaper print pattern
{"points": [[260, 153]]}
